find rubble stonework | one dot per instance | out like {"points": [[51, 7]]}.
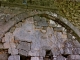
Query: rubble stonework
{"points": [[38, 39]]}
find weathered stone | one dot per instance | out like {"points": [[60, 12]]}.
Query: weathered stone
{"points": [[52, 23], [38, 27], [3, 56], [30, 20], [23, 52], [1, 46], [67, 50], [74, 57], [24, 34], [60, 29], [12, 51], [68, 43], [9, 37], [64, 36], [24, 46], [42, 53], [33, 53], [69, 36], [3, 40], [40, 21], [34, 58], [14, 57], [18, 25], [9, 45], [40, 58], [76, 43], [60, 58]]}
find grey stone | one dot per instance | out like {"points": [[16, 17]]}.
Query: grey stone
{"points": [[33, 53], [69, 36], [23, 52], [60, 58], [75, 51], [9, 37], [30, 20], [40, 21], [67, 50], [74, 57], [9, 45], [24, 46], [1, 46], [24, 34], [68, 43], [3, 56], [14, 57], [34, 58], [12, 51], [60, 29], [40, 58], [76, 43]]}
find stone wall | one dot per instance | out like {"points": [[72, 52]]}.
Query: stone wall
{"points": [[40, 39]]}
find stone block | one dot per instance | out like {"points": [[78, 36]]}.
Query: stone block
{"points": [[34, 58], [40, 21], [33, 53], [42, 53], [9, 45], [75, 51], [60, 58], [24, 46], [67, 50], [64, 36], [1, 46], [60, 29], [68, 43], [23, 34], [14, 57], [3, 56], [3, 39], [69, 36], [12, 51], [40, 58], [23, 52], [30, 20], [9, 37], [74, 57], [76, 43]]}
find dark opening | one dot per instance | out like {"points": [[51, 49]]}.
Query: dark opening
{"points": [[48, 55], [65, 55], [25, 58]]}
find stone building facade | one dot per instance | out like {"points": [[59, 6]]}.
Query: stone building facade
{"points": [[37, 38]]}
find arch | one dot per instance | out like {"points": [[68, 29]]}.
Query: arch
{"points": [[17, 18]]}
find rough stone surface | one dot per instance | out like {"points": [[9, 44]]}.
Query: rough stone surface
{"points": [[34, 58], [3, 56], [1, 46], [23, 52], [24, 46], [12, 51], [9, 37], [74, 57], [9, 45], [14, 57]]}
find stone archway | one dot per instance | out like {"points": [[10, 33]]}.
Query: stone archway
{"points": [[31, 40], [23, 15]]}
